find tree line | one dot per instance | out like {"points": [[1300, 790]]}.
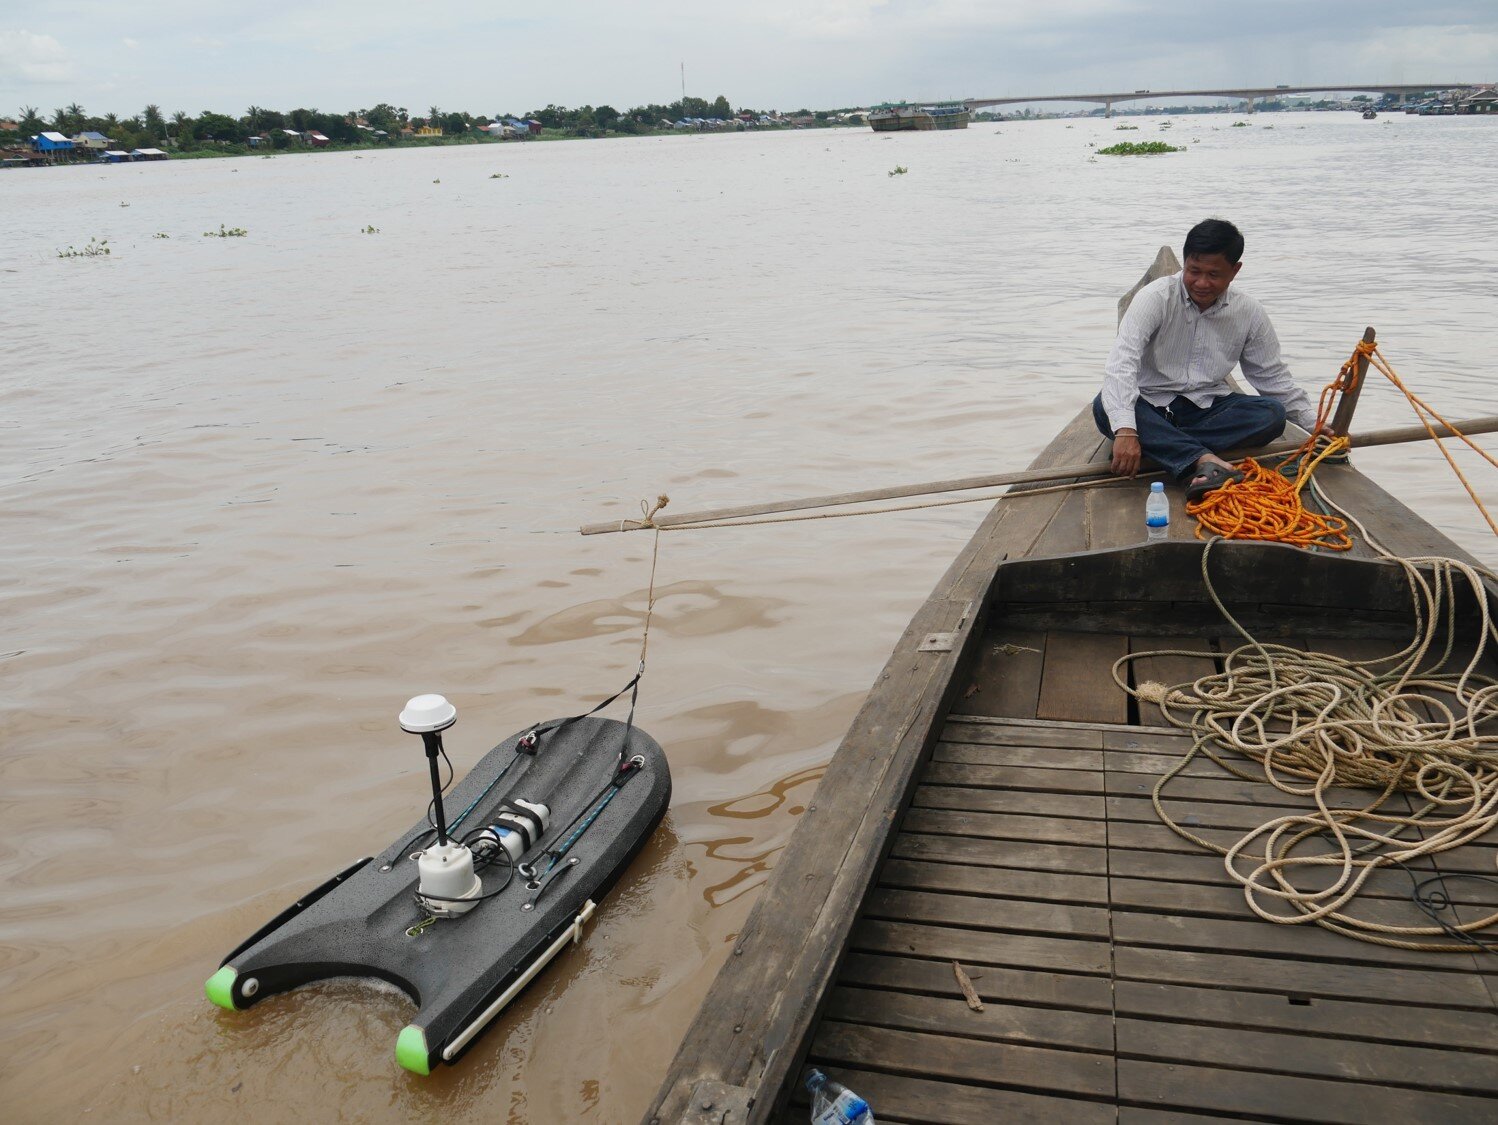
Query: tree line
{"points": [[184, 132]]}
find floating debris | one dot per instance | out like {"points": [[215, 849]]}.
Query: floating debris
{"points": [[95, 249], [1139, 148]]}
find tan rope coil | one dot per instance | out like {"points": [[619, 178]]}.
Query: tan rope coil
{"points": [[1314, 722]]}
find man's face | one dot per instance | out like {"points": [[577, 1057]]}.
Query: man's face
{"points": [[1208, 276]]}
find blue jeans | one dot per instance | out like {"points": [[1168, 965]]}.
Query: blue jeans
{"points": [[1177, 435]]}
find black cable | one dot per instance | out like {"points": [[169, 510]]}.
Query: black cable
{"points": [[1434, 904]]}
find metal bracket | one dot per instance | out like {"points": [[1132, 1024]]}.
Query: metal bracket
{"points": [[938, 642], [716, 1103]]}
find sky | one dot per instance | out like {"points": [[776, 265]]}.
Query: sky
{"points": [[494, 56]]}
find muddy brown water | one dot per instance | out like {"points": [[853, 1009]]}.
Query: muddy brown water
{"points": [[258, 491]]}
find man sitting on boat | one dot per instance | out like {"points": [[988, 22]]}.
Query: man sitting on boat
{"points": [[1165, 392]]}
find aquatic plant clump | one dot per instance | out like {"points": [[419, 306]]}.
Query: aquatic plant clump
{"points": [[226, 232], [95, 249], [1139, 148], [899, 170]]}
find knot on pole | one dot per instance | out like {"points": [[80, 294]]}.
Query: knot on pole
{"points": [[647, 515]]}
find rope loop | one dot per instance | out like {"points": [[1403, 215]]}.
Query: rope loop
{"points": [[1396, 755]]}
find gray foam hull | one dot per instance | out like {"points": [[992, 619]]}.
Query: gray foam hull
{"points": [[455, 969]]}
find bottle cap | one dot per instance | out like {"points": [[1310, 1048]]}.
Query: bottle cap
{"points": [[1157, 486]]}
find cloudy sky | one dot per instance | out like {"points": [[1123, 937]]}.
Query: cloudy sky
{"points": [[488, 56]]}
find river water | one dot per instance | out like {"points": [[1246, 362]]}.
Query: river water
{"points": [[255, 492]]}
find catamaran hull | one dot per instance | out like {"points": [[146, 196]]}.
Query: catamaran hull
{"points": [[366, 921]]}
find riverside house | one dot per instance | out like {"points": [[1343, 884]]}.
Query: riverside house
{"points": [[1480, 101], [54, 146]]}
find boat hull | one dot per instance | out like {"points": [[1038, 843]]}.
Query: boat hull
{"points": [[918, 120], [366, 922]]}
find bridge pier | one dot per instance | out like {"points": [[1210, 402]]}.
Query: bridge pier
{"points": [[1107, 109]]}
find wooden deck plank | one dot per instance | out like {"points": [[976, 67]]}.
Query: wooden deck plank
{"points": [[994, 882], [1168, 670], [1013, 778], [979, 947], [1313, 1057], [1070, 805], [1222, 788], [997, 1022], [1315, 979], [993, 984], [1005, 679], [1207, 868], [1036, 1069], [1067, 533], [975, 913], [1077, 682], [898, 1098], [1251, 936], [1005, 826], [1115, 514], [1022, 854], [1288, 1098], [1349, 1019], [1392, 907], [1046, 756], [995, 734], [1209, 814]]}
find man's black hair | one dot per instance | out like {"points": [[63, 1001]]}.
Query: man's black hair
{"points": [[1214, 236]]}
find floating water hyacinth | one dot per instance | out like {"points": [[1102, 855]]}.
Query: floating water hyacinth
{"points": [[1138, 148], [95, 249]]}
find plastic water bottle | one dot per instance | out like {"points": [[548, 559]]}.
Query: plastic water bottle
{"points": [[834, 1104], [1157, 512]]}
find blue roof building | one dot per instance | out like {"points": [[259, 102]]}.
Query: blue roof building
{"points": [[51, 142]]}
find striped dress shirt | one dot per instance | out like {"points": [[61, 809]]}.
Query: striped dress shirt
{"points": [[1166, 347]]}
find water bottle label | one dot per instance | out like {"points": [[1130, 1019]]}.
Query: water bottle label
{"points": [[1157, 521]]}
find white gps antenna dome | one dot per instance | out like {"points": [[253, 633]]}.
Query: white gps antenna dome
{"points": [[428, 714]]}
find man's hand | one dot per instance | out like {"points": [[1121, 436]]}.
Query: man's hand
{"points": [[1126, 453]]}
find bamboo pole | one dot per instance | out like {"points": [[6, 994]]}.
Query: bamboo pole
{"points": [[1397, 435]]}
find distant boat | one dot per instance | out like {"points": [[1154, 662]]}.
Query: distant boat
{"points": [[897, 118], [1369, 114]]}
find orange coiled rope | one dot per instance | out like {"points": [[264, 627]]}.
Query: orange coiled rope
{"points": [[1267, 504]]}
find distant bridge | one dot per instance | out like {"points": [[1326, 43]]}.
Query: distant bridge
{"points": [[1245, 93]]}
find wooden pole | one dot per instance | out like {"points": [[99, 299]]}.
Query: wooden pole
{"points": [[1342, 419], [1395, 436]]}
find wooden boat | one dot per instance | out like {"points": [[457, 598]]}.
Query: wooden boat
{"points": [[900, 118], [991, 807]]}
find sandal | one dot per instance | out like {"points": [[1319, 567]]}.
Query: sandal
{"points": [[1209, 478]]}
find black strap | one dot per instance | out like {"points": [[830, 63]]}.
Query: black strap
{"points": [[529, 743]]}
